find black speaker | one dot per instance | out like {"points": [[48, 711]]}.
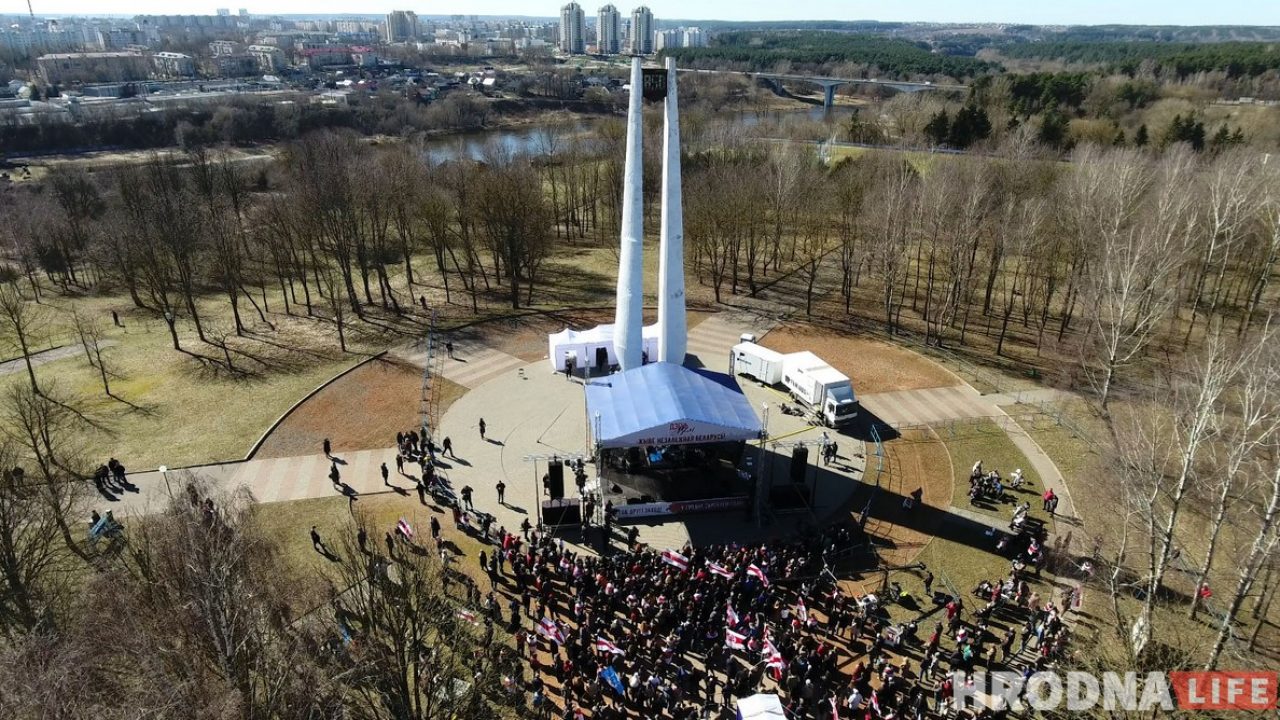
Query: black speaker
{"points": [[555, 479], [565, 515], [799, 463]]}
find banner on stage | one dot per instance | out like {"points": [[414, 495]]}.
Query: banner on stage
{"points": [[686, 507]]}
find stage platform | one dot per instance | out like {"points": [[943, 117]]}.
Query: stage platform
{"points": [[532, 414]]}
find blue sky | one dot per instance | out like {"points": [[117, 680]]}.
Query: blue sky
{"points": [[1078, 12]]}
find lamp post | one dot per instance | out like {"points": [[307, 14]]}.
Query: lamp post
{"points": [[760, 460], [164, 472]]}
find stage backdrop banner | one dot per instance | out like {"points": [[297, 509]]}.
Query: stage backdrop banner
{"points": [[686, 507]]}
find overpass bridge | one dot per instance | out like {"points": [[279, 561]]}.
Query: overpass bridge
{"points": [[829, 84]]}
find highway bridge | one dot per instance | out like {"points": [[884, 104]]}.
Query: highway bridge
{"points": [[829, 84]]}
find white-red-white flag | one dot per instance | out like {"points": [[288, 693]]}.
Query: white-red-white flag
{"points": [[731, 615], [405, 529], [754, 571], [603, 645], [467, 615], [548, 628], [835, 710], [801, 611], [772, 658], [671, 557], [718, 569], [734, 640]]}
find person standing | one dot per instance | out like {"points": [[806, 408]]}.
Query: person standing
{"points": [[422, 490], [502, 492], [928, 582], [435, 528], [362, 538], [334, 475], [399, 463], [448, 348], [482, 427], [385, 474], [466, 497], [328, 448], [316, 544], [446, 448]]}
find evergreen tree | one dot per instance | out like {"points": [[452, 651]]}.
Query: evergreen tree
{"points": [[1053, 129], [1221, 139], [1140, 139], [938, 128], [1119, 140]]}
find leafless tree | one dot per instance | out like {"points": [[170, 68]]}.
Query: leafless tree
{"points": [[1131, 280], [46, 427], [1262, 374], [21, 323], [517, 224], [413, 657], [1231, 191], [35, 571], [90, 335]]}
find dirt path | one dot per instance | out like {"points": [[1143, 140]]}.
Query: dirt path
{"points": [[9, 367]]}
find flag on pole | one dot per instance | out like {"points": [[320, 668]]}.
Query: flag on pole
{"points": [[718, 569], [405, 529], [835, 710], [671, 557], [603, 645], [547, 628], [467, 615], [754, 571], [731, 615], [734, 640], [801, 611], [611, 676], [772, 658]]}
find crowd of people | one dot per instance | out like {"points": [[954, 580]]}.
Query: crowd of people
{"points": [[641, 633]]}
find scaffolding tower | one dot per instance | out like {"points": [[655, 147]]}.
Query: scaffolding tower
{"points": [[432, 368]]}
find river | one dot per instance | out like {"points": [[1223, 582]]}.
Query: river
{"points": [[527, 140]]}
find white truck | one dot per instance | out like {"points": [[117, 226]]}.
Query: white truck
{"points": [[758, 362], [825, 391]]}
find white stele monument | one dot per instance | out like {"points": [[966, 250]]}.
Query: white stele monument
{"points": [[628, 343]]}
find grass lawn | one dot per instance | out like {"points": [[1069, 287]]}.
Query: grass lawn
{"points": [[182, 408], [984, 440], [288, 525]]}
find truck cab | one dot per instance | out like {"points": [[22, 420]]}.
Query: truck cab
{"points": [[840, 407]]}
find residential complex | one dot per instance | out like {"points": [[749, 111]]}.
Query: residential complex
{"points": [[572, 29], [401, 26], [640, 40], [608, 31]]}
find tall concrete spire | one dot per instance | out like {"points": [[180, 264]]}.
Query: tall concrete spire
{"points": [[672, 331], [628, 338]]}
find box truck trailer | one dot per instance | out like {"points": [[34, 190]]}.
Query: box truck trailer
{"points": [[822, 389], [758, 362]]}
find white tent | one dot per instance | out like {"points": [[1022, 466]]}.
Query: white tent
{"points": [[760, 707], [586, 346]]}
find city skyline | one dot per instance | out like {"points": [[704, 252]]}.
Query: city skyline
{"points": [[1085, 12]]}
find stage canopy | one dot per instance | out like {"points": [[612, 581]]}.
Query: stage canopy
{"points": [[668, 404], [760, 707]]}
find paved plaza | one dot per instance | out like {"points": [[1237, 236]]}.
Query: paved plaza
{"points": [[533, 414]]}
